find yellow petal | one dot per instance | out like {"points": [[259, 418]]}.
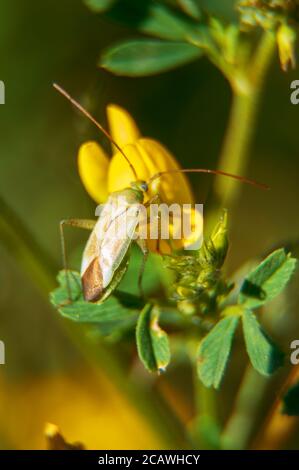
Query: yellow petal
{"points": [[93, 166], [120, 174], [122, 126], [148, 158]]}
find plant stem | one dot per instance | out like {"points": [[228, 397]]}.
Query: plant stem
{"points": [[246, 417], [205, 402], [246, 86], [240, 425], [41, 269]]}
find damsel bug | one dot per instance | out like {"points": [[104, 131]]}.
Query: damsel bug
{"points": [[105, 257]]}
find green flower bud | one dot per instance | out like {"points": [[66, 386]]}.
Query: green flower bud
{"points": [[186, 307], [185, 293], [286, 38], [214, 251]]}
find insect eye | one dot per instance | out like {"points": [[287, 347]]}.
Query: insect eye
{"points": [[144, 186]]}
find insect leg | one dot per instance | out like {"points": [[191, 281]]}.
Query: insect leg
{"points": [[142, 244], [155, 199], [80, 223]]}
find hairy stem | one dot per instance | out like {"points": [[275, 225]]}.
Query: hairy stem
{"points": [[247, 87], [241, 423]]}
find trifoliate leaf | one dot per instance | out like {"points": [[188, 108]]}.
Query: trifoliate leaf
{"points": [[264, 355], [214, 351], [291, 401], [111, 314], [267, 280], [147, 57], [152, 341]]}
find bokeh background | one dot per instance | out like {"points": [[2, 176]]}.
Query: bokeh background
{"points": [[48, 376]]}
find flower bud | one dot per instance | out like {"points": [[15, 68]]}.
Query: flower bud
{"points": [[286, 38], [214, 251], [186, 307]]}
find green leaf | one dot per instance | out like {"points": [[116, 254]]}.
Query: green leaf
{"points": [[214, 351], [164, 23], [264, 355], [267, 280], [111, 314], [147, 57], [152, 341], [152, 18], [190, 7], [291, 401], [99, 5]]}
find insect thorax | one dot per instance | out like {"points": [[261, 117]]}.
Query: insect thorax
{"points": [[130, 195]]}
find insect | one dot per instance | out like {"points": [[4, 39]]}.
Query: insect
{"points": [[105, 257]]}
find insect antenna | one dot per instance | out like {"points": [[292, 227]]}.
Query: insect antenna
{"points": [[96, 123], [242, 179]]}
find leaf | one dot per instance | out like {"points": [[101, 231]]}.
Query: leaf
{"points": [[152, 341], [291, 401], [109, 315], [143, 57], [214, 351], [190, 7], [165, 23], [264, 355], [152, 18], [99, 5], [268, 279]]}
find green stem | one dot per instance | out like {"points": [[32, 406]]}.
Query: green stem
{"points": [[246, 86], [41, 269], [205, 404], [246, 416]]}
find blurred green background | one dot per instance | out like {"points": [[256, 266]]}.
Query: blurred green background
{"points": [[187, 110]]}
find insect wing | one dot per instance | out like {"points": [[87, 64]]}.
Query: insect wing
{"points": [[107, 246], [117, 240], [91, 274]]}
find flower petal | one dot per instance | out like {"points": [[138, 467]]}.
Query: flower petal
{"points": [[174, 187], [93, 166], [122, 126], [148, 158], [120, 174]]}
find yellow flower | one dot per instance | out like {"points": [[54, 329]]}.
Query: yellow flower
{"points": [[102, 176]]}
